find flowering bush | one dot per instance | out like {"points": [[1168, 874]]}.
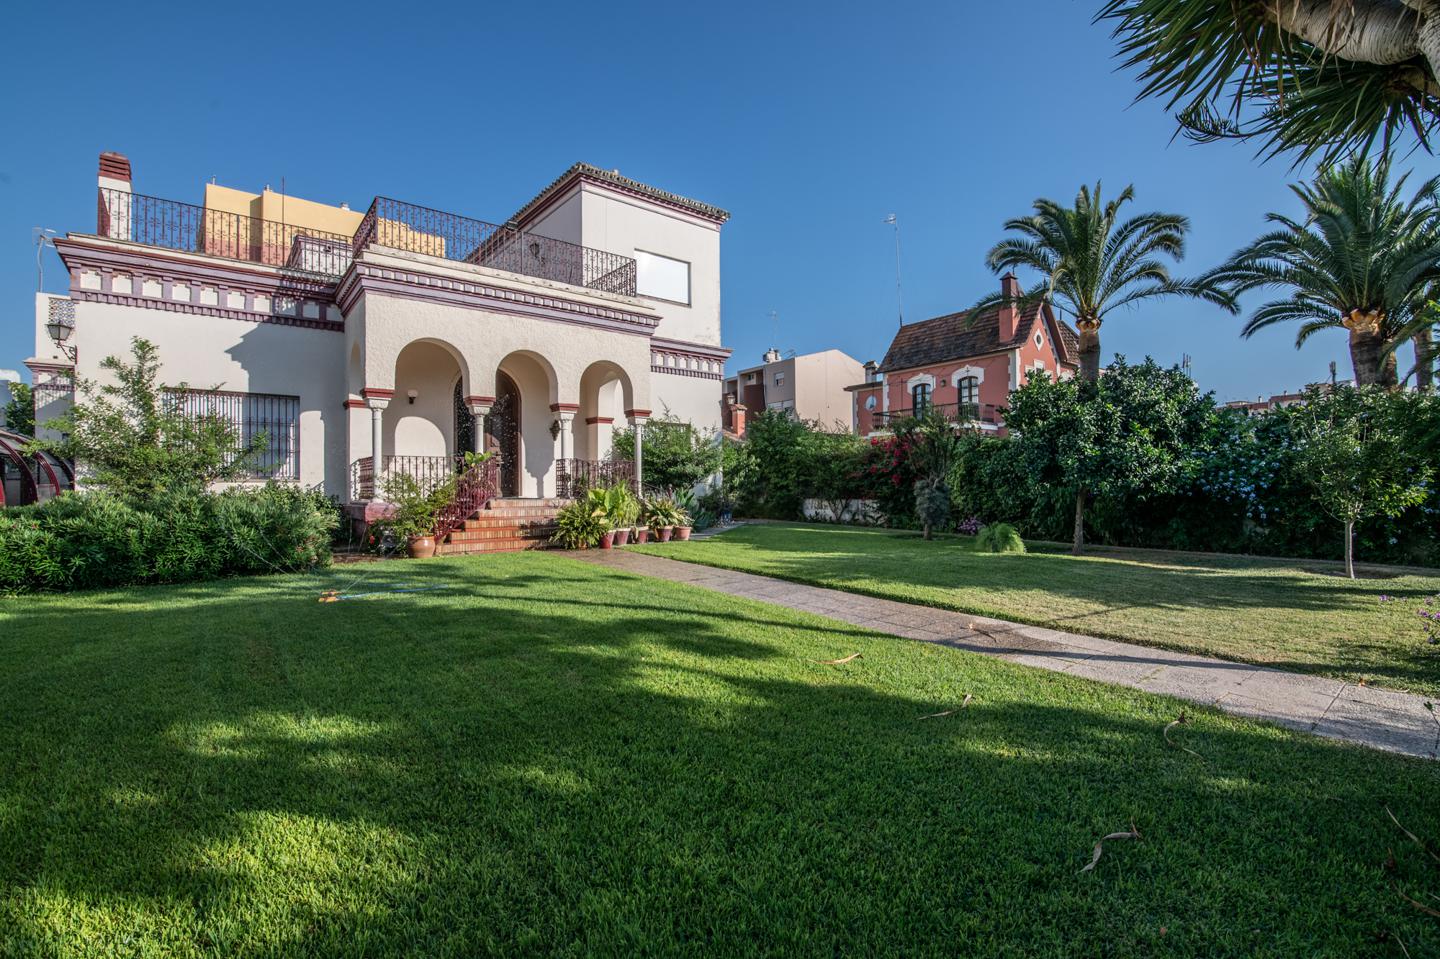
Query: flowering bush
{"points": [[970, 526]]}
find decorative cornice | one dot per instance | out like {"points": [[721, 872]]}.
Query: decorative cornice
{"points": [[612, 180], [679, 358], [490, 297], [147, 267], [697, 349]]}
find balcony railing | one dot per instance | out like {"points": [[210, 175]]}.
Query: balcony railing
{"points": [[573, 477], [968, 414], [417, 229], [196, 229], [427, 471]]}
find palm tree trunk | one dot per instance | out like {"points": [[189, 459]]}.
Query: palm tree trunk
{"points": [[1089, 374], [1365, 349], [1350, 548], [1424, 362], [1078, 546]]}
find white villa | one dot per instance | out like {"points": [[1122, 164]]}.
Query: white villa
{"points": [[402, 336]]}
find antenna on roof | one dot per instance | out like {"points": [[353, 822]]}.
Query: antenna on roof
{"points": [[894, 221]]}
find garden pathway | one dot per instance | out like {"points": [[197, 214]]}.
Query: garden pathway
{"points": [[1378, 718]]}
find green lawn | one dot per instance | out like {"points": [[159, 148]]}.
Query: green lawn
{"points": [[1287, 614], [545, 757]]}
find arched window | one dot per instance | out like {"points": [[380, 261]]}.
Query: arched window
{"points": [[969, 390], [919, 398]]}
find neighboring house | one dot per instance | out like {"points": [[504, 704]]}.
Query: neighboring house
{"points": [[811, 387], [393, 339], [1279, 400], [964, 369]]}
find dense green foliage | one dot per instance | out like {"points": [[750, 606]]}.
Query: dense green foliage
{"points": [[581, 523], [1296, 615], [999, 538], [1164, 466], [131, 437], [676, 455], [19, 413], [542, 757], [86, 540]]}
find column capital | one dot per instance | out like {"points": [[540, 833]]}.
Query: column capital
{"points": [[377, 398], [637, 417], [479, 405]]}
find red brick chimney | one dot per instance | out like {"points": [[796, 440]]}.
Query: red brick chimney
{"points": [[112, 216], [1010, 307]]}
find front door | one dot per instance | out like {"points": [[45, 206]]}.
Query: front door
{"points": [[502, 433]]}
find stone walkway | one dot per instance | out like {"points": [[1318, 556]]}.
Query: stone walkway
{"points": [[1379, 718]]}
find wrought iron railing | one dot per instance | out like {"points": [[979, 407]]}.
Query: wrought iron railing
{"points": [[267, 425], [974, 414], [478, 485], [196, 229], [573, 477], [417, 229], [427, 471]]}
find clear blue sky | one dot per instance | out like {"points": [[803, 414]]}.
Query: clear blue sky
{"points": [[809, 122]]}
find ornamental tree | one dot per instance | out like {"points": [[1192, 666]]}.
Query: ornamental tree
{"points": [[677, 455], [1352, 447], [131, 437], [1141, 431]]}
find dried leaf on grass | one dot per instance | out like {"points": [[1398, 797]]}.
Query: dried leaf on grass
{"points": [[1181, 721], [951, 712], [1133, 833], [839, 662]]}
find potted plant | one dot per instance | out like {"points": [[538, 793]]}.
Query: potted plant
{"points": [[414, 513], [580, 525], [642, 534], [660, 515], [621, 509], [682, 524]]}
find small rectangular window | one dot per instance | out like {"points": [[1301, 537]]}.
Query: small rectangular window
{"points": [[662, 277], [779, 379]]}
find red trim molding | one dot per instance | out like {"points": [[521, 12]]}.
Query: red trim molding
{"points": [[377, 393], [599, 420], [638, 413], [564, 407], [354, 404], [539, 303], [479, 401]]}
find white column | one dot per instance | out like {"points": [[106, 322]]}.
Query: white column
{"points": [[479, 409], [567, 421], [377, 400], [638, 419]]}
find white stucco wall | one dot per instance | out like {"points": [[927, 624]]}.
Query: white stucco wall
{"points": [[623, 225], [216, 352], [561, 221], [689, 398]]}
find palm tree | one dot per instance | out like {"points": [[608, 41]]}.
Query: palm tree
{"points": [[1361, 259], [1091, 263], [1317, 77]]}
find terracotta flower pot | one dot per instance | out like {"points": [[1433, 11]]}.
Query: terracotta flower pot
{"points": [[682, 532], [420, 546], [607, 541], [663, 533], [622, 537], [642, 535]]}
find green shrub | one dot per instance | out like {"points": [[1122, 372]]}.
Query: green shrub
{"points": [[94, 539], [999, 538], [581, 524]]}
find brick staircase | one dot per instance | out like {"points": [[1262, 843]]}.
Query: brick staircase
{"points": [[505, 526]]}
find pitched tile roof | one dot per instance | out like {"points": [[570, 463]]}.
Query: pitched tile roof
{"points": [[953, 337], [613, 178]]}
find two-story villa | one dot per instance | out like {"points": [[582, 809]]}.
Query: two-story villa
{"points": [[393, 338], [965, 366]]}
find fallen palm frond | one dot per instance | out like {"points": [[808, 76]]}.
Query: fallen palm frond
{"points": [[1181, 721], [1413, 838], [839, 662], [1099, 846], [951, 712]]}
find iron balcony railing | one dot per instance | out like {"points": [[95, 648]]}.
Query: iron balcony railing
{"points": [[196, 229], [973, 414], [427, 471], [417, 229], [573, 477]]}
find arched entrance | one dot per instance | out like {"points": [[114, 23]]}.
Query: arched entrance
{"points": [[502, 432]]}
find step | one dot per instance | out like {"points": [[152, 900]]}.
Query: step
{"points": [[510, 502], [505, 522], [482, 535], [490, 546]]}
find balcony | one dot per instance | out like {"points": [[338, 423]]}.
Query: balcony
{"points": [[975, 415], [188, 228], [417, 229]]}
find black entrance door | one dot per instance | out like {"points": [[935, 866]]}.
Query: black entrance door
{"points": [[502, 433]]}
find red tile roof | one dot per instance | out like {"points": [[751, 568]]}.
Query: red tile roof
{"points": [[952, 337]]}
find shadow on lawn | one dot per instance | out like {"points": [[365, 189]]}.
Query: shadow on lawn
{"points": [[515, 764]]}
